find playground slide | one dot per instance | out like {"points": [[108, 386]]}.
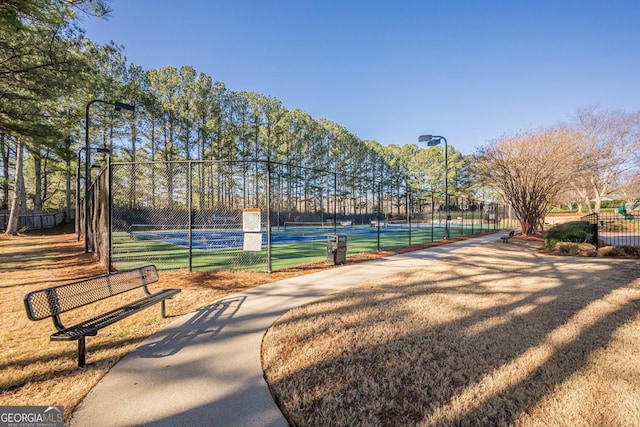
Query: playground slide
{"points": [[628, 208]]}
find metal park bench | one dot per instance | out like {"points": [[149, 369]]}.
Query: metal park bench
{"points": [[505, 239], [52, 302]]}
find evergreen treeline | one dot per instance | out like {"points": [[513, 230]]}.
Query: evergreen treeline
{"points": [[49, 72]]}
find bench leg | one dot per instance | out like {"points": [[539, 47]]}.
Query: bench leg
{"points": [[81, 352], [162, 310]]}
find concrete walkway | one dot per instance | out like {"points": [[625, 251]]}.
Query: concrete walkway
{"points": [[204, 369]]}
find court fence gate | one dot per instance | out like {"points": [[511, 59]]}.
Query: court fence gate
{"points": [[195, 214]]}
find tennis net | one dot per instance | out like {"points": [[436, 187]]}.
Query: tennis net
{"points": [[292, 225]]}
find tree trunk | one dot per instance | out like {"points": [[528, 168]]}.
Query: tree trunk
{"points": [[4, 152], [68, 182], [37, 196], [587, 203], [528, 224], [18, 201]]}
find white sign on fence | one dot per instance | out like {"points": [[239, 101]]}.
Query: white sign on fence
{"points": [[252, 242], [251, 220], [252, 227]]}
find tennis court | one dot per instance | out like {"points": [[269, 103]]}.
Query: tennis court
{"points": [[232, 237], [218, 247]]}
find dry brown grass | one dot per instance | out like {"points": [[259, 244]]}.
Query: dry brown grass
{"points": [[36, 371], [504, 337], [509, 337]]}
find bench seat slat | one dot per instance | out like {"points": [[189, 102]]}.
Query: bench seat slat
{"points": [[59, 299], [91, 326]]}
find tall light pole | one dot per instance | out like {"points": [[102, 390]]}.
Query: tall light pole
{"points": [[117, 106], [432, 141]]}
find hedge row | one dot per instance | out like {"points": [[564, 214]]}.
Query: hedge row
{"points": [[573, 231]]}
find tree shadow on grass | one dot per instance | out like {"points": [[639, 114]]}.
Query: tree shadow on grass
{"points": [[486, 364], [61, 361]]}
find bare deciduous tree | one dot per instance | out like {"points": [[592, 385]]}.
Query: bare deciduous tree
{"points": [[571, 198], [529, 170], [629, 186], [609, 142]]}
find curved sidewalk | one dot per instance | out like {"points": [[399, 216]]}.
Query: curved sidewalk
{"points": [[204, 369]]}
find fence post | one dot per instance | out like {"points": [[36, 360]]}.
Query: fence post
{"points": [[190, 211], [432, 217], [408, 212], [595, 227], [335, 201], [594, 221], [268, 203], [379, 207], [109, 212]]}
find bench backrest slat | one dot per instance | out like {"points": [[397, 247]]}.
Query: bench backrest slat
{"points": [[58, 299]]}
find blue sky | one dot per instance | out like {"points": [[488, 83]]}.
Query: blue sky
{"points": [[392, 70]]}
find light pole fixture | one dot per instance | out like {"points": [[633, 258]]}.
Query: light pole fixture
{"points": [[87, 161], [432, 141]]}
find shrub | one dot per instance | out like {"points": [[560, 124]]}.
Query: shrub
{"points": [[587, 249], [567, 248], [633, 251], [573, 231], [620, 251], [611, 251]]}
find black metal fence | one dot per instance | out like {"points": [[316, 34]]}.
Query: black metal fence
{"points": [[615, 229], [193, 214]]}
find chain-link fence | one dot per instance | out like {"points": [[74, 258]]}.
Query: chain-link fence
{"points": [[185, 214], [195, 214], [93, 217]]}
